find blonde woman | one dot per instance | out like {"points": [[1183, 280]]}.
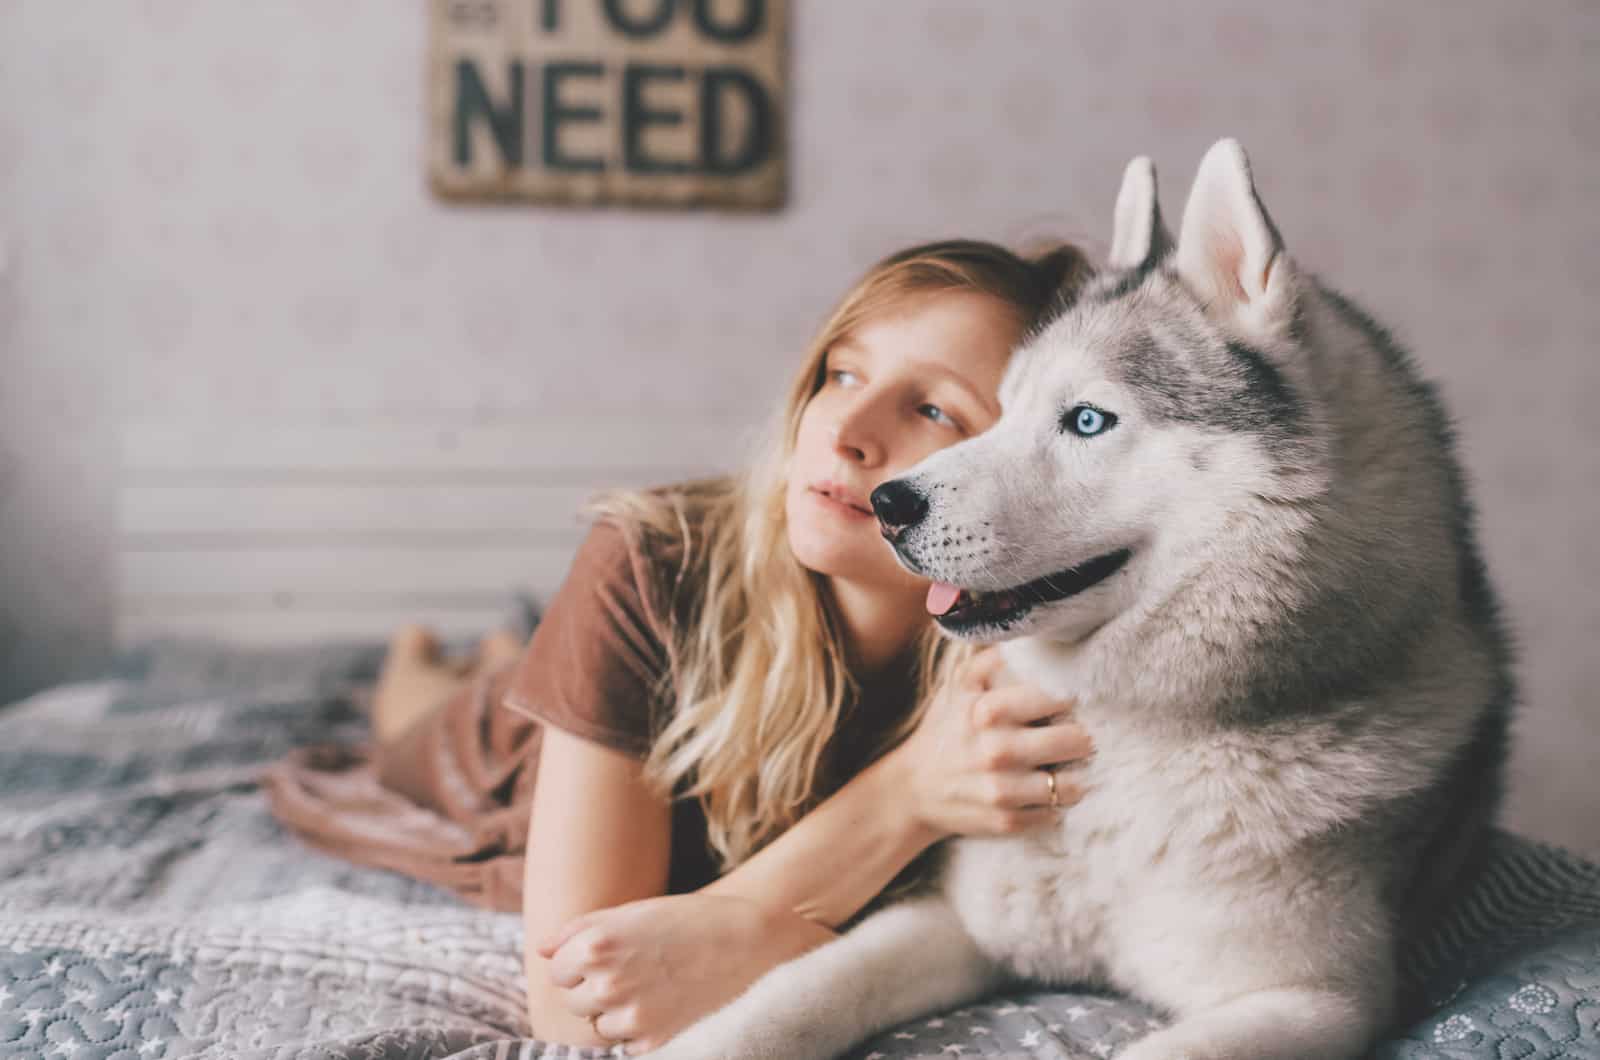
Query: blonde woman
{"points": [[735, 726]]}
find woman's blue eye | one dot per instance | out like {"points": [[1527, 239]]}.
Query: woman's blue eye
{"points": [[1086, 421], [947, 417]]}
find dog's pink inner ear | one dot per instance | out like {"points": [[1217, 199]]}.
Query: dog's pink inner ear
{"points": [[1228, 246], [1226, 263]]}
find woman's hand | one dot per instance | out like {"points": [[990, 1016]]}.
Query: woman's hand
{"points": [[653, 967], [973, 764]]}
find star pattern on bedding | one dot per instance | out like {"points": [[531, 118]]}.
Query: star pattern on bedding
{"points": [[150, 907]]}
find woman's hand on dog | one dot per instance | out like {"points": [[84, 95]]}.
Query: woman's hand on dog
{"points": [[649, 968], [975, 763]]}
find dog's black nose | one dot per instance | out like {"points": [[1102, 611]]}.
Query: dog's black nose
{"points": [[898, 505]]}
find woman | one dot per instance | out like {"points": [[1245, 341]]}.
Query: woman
{"points": [[743, 725]]}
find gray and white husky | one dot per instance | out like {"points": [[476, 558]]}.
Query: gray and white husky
{"points": [[1221, 510]]}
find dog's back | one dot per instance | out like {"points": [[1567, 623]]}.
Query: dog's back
{"points": [[1444, 829]]}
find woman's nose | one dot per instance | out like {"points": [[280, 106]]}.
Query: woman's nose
{"points": [[852, 439]]}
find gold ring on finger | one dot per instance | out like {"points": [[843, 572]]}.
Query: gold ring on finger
{"points": [[1049, 774]]}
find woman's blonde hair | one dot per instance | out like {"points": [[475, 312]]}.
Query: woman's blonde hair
{"points": [[757, 670]]}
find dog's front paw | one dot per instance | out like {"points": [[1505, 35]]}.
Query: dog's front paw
{"points": [[723, 1039], [1164, 1045], [690, 1046], [684, 1048], [710, 1039]]}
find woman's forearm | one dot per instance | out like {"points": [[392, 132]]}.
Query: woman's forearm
{"points": [[795, 935], [835, 859]]}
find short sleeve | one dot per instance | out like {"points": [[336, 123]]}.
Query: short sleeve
{"points": [[597, 651]]}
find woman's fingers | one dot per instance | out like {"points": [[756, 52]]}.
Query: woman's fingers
{"points": [[1012, 816], [557, 938], [1057, 744], [1028, 790], [591, 997], [1018, 704], [568, 964], [564, 972], [984, 666]]}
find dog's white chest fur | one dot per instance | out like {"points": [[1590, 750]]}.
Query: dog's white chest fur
{"points": [[1044, 904], [1132, 888]]}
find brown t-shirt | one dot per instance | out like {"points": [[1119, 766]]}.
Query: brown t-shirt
{"points": [[592, 665], [449, 800]]}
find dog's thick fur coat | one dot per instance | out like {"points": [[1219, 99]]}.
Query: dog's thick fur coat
{"points": [[1298, 685]]}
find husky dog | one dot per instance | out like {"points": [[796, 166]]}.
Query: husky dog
{"points": [[1221, 510]]}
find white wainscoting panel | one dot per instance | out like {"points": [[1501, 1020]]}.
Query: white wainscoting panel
{"points": [[271, 532]]}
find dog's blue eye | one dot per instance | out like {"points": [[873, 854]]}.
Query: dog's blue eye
{"points": [[1085, 421]]}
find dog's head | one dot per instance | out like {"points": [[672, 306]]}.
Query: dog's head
{"points": [[1133, 425]]}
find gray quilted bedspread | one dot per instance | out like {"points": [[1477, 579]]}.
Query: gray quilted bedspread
{"points": [[151, 908]]}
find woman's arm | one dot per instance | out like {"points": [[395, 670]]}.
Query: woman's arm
{"points": [[598, 849], [829, 864], [970, 767], [656, 965], [597, 838]]}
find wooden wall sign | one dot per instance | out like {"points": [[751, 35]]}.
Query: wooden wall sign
{"points": [[659, 102]]}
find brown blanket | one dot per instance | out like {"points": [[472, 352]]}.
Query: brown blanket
{"points": [[447, 801]]}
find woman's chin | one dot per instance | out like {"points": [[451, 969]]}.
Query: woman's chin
{"points": [[826, 554], [850, 562]]}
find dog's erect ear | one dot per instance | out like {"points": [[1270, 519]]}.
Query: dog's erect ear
{"points": [[1138, 235], [1229, 251]]}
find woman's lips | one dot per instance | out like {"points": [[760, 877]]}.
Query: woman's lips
{"points": [[841, 508]]}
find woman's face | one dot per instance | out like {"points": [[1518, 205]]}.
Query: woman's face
{"points": [[902, 385]]}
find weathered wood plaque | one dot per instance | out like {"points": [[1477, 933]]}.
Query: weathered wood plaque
{"points": [[650, 102]]}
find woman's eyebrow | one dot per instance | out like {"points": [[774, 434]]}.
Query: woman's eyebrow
{"points": [[959, 379], [929, 366]]}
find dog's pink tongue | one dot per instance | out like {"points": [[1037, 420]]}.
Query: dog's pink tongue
{"points": [[941, 597]]}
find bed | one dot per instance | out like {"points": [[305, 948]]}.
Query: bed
{"points": [[150, 907]]}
